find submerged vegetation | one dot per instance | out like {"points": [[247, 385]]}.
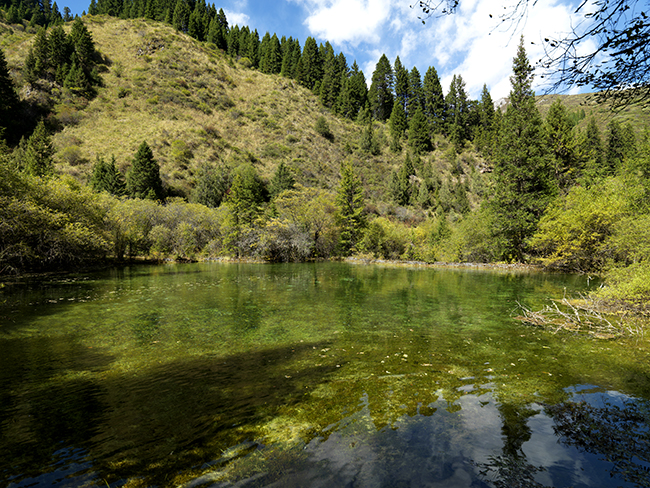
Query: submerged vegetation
{"points": [[216, 144]]}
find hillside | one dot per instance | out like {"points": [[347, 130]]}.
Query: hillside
{"points": [[193, 104]]}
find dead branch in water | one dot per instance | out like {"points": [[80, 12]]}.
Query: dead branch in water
{"points": [[581, 316]]}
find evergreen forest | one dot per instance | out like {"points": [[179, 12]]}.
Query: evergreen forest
{"points": [[157, 130]]}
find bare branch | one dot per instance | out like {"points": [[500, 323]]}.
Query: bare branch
{"points": [[618, 68]]}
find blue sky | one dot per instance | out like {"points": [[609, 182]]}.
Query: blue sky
{"points": [[473, 43]]}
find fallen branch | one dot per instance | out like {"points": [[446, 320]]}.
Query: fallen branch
{"points": [[582, 315]]}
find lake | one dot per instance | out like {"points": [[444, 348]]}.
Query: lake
{"points": [[314, 375]]}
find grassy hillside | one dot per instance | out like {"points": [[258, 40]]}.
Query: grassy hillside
{"points": [[193, 104], [637, 114]]}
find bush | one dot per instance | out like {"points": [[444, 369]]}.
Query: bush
{"points": [[574, 232], [323, 128]]}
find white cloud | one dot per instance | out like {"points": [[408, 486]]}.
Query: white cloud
{"points": [[474, 42], [237, 18], [479, 46], [347, 21]]}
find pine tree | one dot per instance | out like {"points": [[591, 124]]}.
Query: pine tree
{"points": [[270, 54], [402, 88], [83, 45], [485, 132], [37, 61], [620, 145], [398, 126], [181, 18], [522, 171], [288, 48], [282, 180], [59, 53], [275, 55], [76, 80], [39, 151], [457, 109], [331, 83], [434, 102], [143, 178], [350, 209], [310, 71], [211, 185], [368, 141], [195, 25], [353, 93], [590, 153], [560, 140], [247, 195], [380, 94], [107, 177], [419, 139], [220, 37], [416, 93], [403, 189]]}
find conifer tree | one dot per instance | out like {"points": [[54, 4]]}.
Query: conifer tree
{"points": [[457, 109], [282, 180], [181, 18], [403, 190], [620, 145], [380, 94], [434, 101], [247, 195], [560, 141], [485, 132], [353, 93], [288, 48], [76, 80], [310, 71], [522, 171], [590, 152], [211, 185], [143, 178], [402, 88], [59, 53], [233, 40], [220, 33], [37, 60], [350, 209], [419, 139], [39, 151], [368, 141], [83, 45], [398, 126], [195, 24], [416, 93], [107, 177], [330, 84]]}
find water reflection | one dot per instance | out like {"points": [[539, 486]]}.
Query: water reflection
{"points": [[308, 375]]}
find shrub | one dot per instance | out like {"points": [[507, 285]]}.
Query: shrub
{"points": [[322, 127]]}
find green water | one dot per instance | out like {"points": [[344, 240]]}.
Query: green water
{"points": [[326, 374]]}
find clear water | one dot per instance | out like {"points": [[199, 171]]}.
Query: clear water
{"points": [[325, 374]]}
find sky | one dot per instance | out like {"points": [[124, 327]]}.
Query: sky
{"points": [[474, 43]]}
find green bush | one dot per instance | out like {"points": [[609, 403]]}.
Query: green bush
{"points": [[323, 128]]}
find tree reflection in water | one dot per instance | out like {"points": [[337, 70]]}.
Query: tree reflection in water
{"points": [[511, 469], [618, 433]]}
